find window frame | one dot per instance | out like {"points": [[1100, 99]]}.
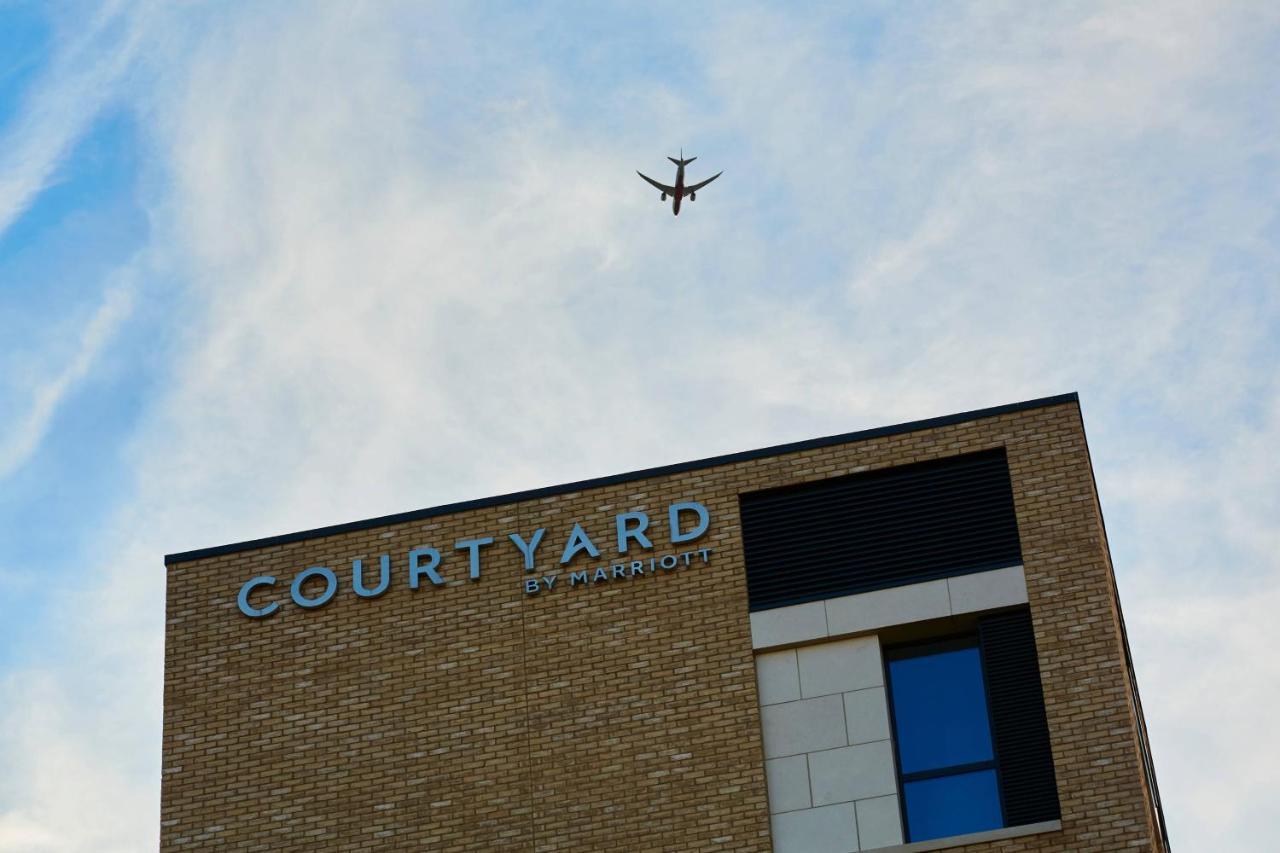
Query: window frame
{"points": [[925, 648]]}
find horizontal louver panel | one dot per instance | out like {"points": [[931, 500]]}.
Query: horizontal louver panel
{"points": [[879, 529], [1028, 786]]}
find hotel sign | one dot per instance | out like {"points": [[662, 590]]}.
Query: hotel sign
{"points": [[634, 556]]}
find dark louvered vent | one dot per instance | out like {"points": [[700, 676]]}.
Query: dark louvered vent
{"points": [[1028, 787], [879, 529]]}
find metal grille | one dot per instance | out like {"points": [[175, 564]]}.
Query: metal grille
{"points": [[879, 529], [1024, 760]]}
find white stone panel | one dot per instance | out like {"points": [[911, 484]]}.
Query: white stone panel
{"points": [[833, 829], [840, 666], [777, 677], [866, 715], [988, 590], [851, 614], [878, 823], [788, 781], [782, 626], [805, 725], [852, 773]]}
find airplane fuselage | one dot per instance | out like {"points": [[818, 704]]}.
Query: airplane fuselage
{"points": [[679, 190]]}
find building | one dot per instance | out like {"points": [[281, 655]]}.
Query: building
{"points": [[904, 638]]}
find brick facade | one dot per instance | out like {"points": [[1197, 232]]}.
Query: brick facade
{"points": [[622, 715]]}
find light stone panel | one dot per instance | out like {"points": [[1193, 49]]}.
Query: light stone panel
{"points": [[869, 611], [883, 607], [988, 590], [811, 777], [784, 625], [852, 773], [806, 725], [840, 666], [866, 715], [879, 824], [777, 677], [788, 782], [831, 829]]}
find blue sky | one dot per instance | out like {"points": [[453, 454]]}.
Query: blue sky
{"points": [[267, 267]]}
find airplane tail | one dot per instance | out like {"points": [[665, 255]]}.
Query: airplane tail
{"points": [[682, 161]]}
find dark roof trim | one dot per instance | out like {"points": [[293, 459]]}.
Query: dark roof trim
{"points": [[660, 471]]}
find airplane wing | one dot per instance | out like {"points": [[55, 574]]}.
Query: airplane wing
{"points": [[696, 187], [666, 189]]}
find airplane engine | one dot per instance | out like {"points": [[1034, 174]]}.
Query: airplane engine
{"points": [[693, 196], [664, 197]]}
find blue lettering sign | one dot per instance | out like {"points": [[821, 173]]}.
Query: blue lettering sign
{"points": [[243, 598], [474, 546], [384, 578], [527, 548], [578, 541], [627, 532], [673, 516], [330, 586], [416, 569]]}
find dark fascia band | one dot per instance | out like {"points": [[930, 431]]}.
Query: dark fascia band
{"points": [[645, 473]]}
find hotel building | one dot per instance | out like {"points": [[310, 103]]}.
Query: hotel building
{"points": [[905, 638]]}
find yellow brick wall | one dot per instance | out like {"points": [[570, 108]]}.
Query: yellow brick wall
{"points": [[621, 716]]}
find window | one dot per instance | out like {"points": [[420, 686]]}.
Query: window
{"points": [[942, 728]]}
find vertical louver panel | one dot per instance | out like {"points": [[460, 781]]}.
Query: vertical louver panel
{"points": [[1028, 787], [879, 529]]}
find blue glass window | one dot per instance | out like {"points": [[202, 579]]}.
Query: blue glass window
{"points": [[943, 737], [952, 805]]}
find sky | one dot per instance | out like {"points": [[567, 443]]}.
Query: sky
{"points": [[265, 267]]}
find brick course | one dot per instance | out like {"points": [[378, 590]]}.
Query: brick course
{"points": [[621, 716]]}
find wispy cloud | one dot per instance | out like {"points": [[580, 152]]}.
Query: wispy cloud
{"points": [[94, 49], [410, 277], [21, 434], [81, 78]]}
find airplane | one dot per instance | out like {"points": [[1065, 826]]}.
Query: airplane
{"points": [[679, 191]]}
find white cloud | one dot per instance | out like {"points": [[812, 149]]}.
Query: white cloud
{"points": [[405, 296], [71, 780]]}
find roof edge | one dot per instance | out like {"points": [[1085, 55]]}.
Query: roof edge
{"points": [[614, 479]]}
